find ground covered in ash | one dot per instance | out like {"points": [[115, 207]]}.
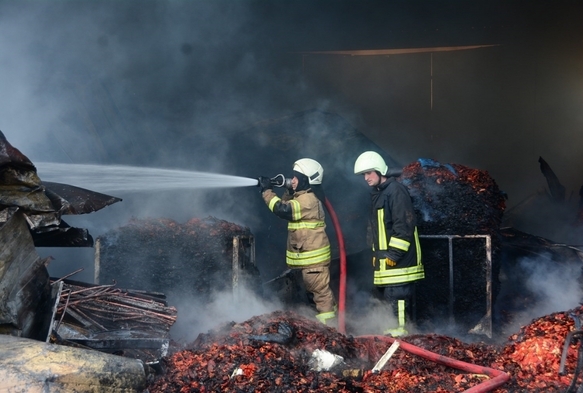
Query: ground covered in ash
{"points": [[273, 352]]}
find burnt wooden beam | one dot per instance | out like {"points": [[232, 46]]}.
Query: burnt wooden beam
{"points": [[555, 187]]}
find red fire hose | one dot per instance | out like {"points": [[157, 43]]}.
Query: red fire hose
{"points": [[498, 377], [342, 287]]}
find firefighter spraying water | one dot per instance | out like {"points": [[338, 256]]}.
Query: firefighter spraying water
{"points": [[308, 246]]}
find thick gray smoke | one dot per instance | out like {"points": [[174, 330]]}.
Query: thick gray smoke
{"points": [[170, 84]]}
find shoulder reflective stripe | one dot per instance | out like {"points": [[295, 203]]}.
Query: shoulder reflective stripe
{"points": [[296, 210], [399, 243], [305, 224], [308, 257], [382, 231], [273, 201]]}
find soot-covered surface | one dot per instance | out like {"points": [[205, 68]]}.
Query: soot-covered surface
{"points": [[162, 255], [453, 199]]}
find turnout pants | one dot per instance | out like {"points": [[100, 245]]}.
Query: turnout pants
{"points": [[402, 301], [317, 282]]}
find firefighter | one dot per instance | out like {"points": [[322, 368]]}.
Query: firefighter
{"points": [[308, 246], [395, 241]]}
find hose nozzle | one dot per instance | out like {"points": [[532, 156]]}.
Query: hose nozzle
{"points": [[281, 181]]}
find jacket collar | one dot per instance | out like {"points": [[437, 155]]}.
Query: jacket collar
{"points": [[381, 187], [296, 193]]}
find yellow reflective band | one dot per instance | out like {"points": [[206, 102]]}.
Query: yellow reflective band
{"points": [[401, 313], [399, 276], [382, 232], [382, 263], [296, 210], [399, 243], [305, 225], [308, 257], [323, 317], [273, 201], [418, 247]]}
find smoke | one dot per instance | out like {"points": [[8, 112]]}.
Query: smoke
{"points": [[549, 286], [195, 317], [172, 84], [374, 318]]}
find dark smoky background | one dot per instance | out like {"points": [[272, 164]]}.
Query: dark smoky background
{"points": [[233, 87]]}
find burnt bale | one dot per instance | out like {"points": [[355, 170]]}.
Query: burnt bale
{"points": [[455, 200], [161, 255]]}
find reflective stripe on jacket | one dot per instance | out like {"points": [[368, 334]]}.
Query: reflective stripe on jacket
{"points": [[307, 242], [395, 236]]}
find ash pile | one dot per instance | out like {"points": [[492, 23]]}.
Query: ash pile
{"points": [[458, 208], [275, 353], [192, 259]]}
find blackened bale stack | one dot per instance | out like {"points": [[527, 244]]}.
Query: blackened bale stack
{"points": [[161, 255], [455, 200]]}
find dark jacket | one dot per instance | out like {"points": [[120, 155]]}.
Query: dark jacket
{"points": [[394, 235]]}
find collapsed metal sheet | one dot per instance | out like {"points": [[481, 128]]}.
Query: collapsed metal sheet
{"points": [[76, 200], [62, 236], [43, 203]]}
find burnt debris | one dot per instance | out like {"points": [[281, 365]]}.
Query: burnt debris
{"points": [[194, 259], [43, 204], [229, 359], [130, 323], [455, 200]]}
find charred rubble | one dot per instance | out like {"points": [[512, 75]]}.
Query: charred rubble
{"points": [[130, 323], [258, 355], [31, 216], [35, 306], [196, 258], [45, 203]]}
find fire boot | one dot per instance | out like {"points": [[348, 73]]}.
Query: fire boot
{"points": [[396, 332], [328, 318]]}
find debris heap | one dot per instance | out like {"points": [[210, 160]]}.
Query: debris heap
{"points": [[162, 255], [533, 355], [455, 200], [273, 353], [129, 323]]}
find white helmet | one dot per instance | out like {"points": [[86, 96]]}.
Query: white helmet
{"points": [[370, 161], [311, 168]]}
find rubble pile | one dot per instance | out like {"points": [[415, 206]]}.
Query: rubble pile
{"points": [[272, 353], [129, 323], [112, 308], [407, 372], [455, 200], [160, 254], [532, 356]]}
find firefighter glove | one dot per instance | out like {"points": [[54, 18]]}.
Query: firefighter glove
{"points": [[265, 183], [390, 262]]}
